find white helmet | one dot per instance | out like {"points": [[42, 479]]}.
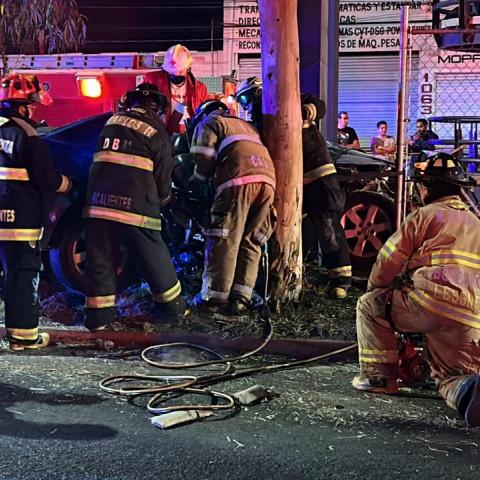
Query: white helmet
{"points": [[178, 60]]}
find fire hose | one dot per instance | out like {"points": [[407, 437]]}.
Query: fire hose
{"points": [[163, 387]]}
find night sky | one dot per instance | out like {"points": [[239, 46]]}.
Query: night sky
{"points": [[149, 26]]}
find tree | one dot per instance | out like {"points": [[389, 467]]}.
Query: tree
{"points": [[41, 26], [283, 136]]}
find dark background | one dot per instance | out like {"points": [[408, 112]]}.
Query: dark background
{"points": [[150, 26]]}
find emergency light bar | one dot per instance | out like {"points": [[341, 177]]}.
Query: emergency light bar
{"points": [[89, 86]]}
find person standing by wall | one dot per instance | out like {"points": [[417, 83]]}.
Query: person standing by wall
{"points": [[346, 136], [26, 169], [383, 145]]}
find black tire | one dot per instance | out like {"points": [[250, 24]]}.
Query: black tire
{"points": [[368, 221], [67, 259]]}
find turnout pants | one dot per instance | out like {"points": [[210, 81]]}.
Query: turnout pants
{"points": [[453, 349], [21, 263], [242, 220], [104, 239], [324, 201]]}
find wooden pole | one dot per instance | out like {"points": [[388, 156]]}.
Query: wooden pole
{"points": [[283, 136]]}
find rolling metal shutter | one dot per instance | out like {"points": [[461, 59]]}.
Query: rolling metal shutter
{"points": [[249, 67], [367, 90]]}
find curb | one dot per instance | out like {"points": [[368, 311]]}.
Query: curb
{"points": [[299, 349]]}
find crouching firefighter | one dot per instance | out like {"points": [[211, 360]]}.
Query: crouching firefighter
{"points": [[228, 150], [26, 170], [427, 280], [129, 182]]}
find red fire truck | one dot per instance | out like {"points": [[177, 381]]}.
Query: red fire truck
{"points": [[85, 85]]}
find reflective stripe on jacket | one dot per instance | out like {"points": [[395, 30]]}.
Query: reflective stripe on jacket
{"points": [[233, 152], [316, 159], [130, 178], [439, 249], [26, 169]]}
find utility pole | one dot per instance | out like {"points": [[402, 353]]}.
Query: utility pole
{"points": [[283, 136], [400, 161]]}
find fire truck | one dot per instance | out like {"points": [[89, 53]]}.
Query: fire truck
{"points": [[83, 85]]}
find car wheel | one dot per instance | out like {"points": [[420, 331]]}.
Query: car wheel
{"points": [[67, 259], [368, 221]]}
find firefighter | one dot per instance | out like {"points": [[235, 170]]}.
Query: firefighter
{"points": [[323, 199], [129, 182], [228, 150], [427, 280], [184, 92], [26, 171]]}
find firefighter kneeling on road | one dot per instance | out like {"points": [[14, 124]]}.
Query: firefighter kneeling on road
{"points": [[26, 169], [427, 280], [323, 198], [129, 182], [229, 151]]}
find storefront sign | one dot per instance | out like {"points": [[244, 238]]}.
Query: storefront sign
{"points": [[246, 33], [375, 26]]}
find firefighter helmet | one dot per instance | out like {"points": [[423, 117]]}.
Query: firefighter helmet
{"points": [[313, 108], [178, 60], [145, 95], [204, 109], [248, 91], [209, 106], [23, 89], [442, 167]]}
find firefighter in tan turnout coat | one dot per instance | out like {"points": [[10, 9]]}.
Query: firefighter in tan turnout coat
{"points": [[229, 151], [427, 280]]}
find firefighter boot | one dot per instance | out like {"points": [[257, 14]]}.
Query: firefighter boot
{"points": [[207, 306], [468, 404], [171, 311], [337, 288], [375, 384], [41, 341], [377, 378], [238, 306]]}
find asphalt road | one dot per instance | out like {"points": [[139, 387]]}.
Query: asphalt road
{"points": [[55, 423]]}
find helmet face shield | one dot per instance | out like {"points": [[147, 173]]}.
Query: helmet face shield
{"points": [[248, 92], [244, 100]]}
